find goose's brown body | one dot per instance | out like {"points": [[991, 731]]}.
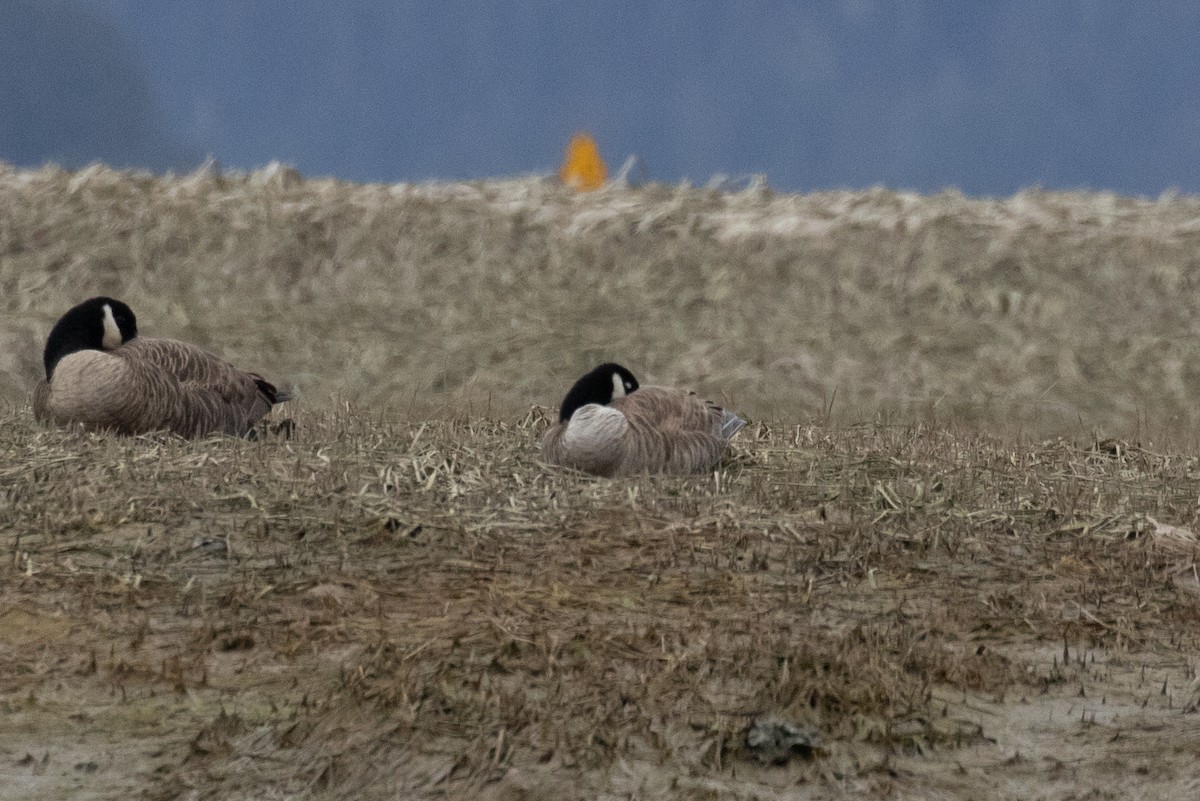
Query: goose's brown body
{"points": [[153, 385], [651, 430]]}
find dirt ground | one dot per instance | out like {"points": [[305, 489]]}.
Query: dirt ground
{"points": [[381, 609]]}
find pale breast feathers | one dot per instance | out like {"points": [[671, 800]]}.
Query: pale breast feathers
{"points": [[592, 440], [91, 387]]}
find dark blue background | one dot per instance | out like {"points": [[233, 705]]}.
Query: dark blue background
{"points": [[987, 97]]}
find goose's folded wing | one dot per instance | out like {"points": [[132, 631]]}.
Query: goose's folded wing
{"points": [[670, 410], [195, 365], [669, 431], [159, 401], [202, 410]]}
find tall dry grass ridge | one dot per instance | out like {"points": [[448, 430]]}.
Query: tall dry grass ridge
{"points": [[1047, 311]]}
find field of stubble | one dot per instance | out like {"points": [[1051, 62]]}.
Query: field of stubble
{"points": [[956, 543]]}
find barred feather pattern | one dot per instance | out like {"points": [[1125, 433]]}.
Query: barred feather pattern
{"points": [[153, 385], [652, 430]]}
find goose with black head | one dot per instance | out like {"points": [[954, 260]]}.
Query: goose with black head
{"points": [[610, 425], [102, 376]]}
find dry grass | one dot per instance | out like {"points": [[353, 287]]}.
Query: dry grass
{"points": [[379, 609], [402, 602], [1045, 312]]}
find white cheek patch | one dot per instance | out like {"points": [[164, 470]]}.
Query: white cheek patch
{"points": [[112, 333], [618, 386]]}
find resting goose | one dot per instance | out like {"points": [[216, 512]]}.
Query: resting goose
{"points": [[609, 425], [101, 375]]}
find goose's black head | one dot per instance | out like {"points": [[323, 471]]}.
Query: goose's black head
{"points": [[96, 324], [600, 386]]}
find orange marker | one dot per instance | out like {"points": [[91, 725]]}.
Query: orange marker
{"points": [[582, 167]]}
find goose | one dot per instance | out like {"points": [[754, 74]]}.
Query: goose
{"points": [[101, 375], [610, 425]]}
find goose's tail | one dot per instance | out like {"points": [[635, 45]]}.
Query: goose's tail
{"points": [[730, 423], [273, 393]]}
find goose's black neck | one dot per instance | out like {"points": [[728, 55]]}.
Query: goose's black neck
{"points": [[96, 324], [599, 386]]}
